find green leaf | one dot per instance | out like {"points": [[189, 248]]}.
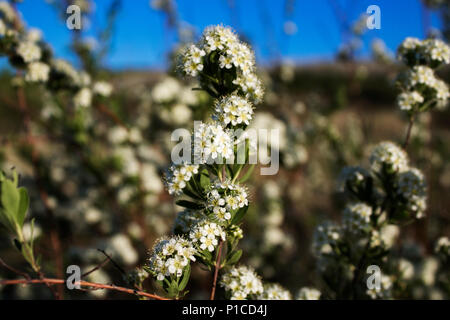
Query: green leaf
{"points": [[235, 256], [191, 194], [248, 174], [10, 198], [185, 280], [189, 204], [6, 221], [23, 206], [204, 179], [239, 215]]}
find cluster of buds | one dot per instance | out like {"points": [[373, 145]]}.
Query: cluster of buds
{"points": [[390, 192]]}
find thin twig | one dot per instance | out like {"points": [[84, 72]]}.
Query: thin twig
{"points": [[21, 273], [103, 109], [408, 132], [82, 283], [216, 272], [99, 266], [113, 262]]}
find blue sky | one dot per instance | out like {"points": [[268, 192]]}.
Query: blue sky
{"points": [[142, 41]]}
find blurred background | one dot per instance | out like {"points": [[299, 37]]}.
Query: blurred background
{"points": [[329, 89]]}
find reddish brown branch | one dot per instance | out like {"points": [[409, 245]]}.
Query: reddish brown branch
{"points": [[408, 133], [21, 273], [103, 109], [82, 283], [216, 271]]}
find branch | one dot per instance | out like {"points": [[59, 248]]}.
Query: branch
{"points": [[21, 273], [82, 283], [113, 262], [99, 266], [408, 133], [216, 272]]}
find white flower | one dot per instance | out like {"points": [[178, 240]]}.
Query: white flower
{"points": [[233, 109], [170, 256], [117, 135], [3, 28], [308, 294], [66, 69], [224, 198], [274, 291], [325, 238], [7, 12], [408, 100], [206, 235], [166, 90], [29, 51], [406, 269], [192, 60], [412, 188], [151, 181], [211, 142], [177, 177], [83, 98], [34, 35], [437, 50], [356, 217], [388, 156], [242, 283], [443, 246], [37, 72], [102, 88], [122, 248]]}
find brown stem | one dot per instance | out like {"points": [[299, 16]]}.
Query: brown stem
{"points": [[216, 272], [21, 273], [99, 266], [82, 283], [103, 109], [408, 132]]}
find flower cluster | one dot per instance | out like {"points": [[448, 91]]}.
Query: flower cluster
{"points": [[429, 51], [178, 176], [27, 51], [233, 110], [205, 235], [384, 291], [274, 291], [356, 218], [308, 294], [212, 143], [389, 193], [170, 256], [351, 179], [224, 198], [388, 157], [222, 61], [411, 187], [443, 246], [325, 238], [242, 283], [421, 90]]}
